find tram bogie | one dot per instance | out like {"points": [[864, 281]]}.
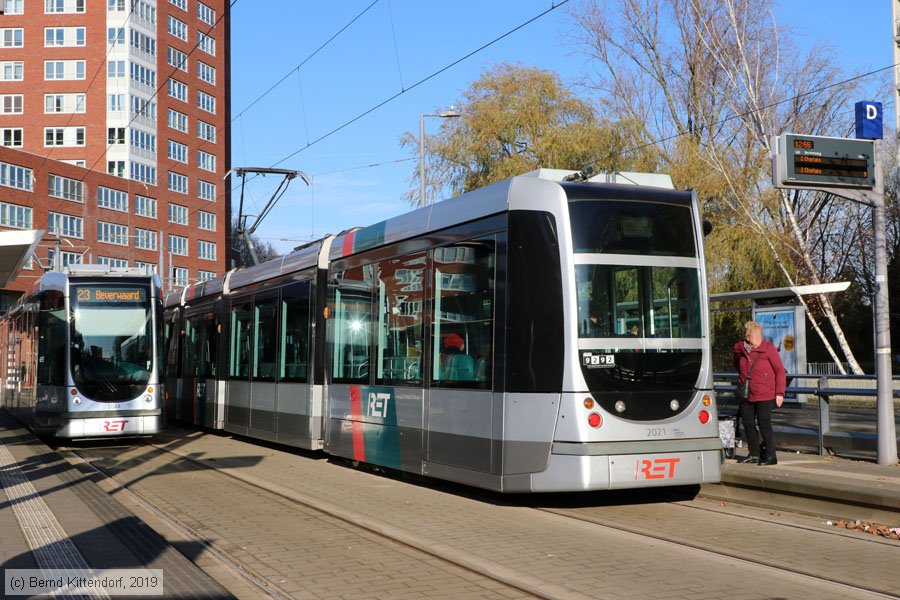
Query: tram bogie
{"points": [[81, 350], [534, 335]]}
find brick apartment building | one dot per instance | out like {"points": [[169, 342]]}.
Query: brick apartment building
{"points": [[115, 130]]}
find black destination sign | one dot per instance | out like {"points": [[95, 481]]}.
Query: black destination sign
{"points": [[108, 294]]}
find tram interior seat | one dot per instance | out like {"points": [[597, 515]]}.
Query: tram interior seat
{"points": [[458, 367]]}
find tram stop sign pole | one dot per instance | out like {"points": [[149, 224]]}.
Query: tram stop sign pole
{"points": [[851, 169]]}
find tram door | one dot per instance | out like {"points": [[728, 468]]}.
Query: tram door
{"points": [[172, 381], [200, 370]]}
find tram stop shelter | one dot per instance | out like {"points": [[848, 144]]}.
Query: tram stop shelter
{"points": [[16, 247], [782, 316]]}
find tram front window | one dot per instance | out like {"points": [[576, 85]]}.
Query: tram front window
{"points": [[112, 342]]}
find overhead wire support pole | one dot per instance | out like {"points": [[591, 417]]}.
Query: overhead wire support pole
{"points": [[242, 230]]}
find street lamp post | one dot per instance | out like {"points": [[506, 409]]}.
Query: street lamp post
{"points": [[443, 114]]}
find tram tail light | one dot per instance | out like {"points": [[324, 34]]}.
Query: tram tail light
{"points": [[595, 420], [704, 417], [589, 403], [707, 400]]}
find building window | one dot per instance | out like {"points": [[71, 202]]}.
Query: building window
{"points": [[143, 108], [206, 102], [206, 221], [182, 4], [145, 266], [206, 190], [143, 173], [178, 182], [206, 73], [78, 162], [178, 120], [178, 214], [116, 167], [12, 38], [145, 11], [181, 276], [206, 43], [116, 102], [15, 176], [12, 70], [205, 275], [143, 42], [112, 233], [64, 103], [66, 225], [145, 207], [206, 14], [13, 7], [206, 161], [143, 140], [205, 131], [115, 5], [65, 188], [12, 136], [115, 263], [65, 258], [11, 104], [178, 59], [63, 6], [63, 69], [177, 151], [178, 90], [63, 36], [115, 36], [143, 75], [112, 199], [115, 135], [144, 239], [63, 136], [177, 28], [13, 215], [206, 250], [115, 68], [178, 245]]}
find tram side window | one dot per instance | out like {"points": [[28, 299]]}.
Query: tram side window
{"points": [[295, 333], [53, 329], [172, 345], [265, 330], [463, 340], [400, 318], [350, 324], [241, 320], [200, 345]]}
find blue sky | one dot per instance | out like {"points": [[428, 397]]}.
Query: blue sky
{"points": [[395, 44]]}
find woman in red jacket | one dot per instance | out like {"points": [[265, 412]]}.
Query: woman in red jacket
{"points": [[760, 361]]}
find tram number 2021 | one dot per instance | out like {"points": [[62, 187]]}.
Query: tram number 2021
{"points": [[656, 432]]}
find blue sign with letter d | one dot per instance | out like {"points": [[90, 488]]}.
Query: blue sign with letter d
{"points": [[869, 124]]}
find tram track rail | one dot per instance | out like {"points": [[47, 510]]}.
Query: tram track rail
{"points": [[512, 578]]}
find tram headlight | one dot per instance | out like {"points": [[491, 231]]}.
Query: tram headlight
{"points": [[620, 406], [148, 398], [674, 405], [76, 400]]}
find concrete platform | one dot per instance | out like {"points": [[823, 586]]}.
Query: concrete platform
{"points": [[53, 516]]}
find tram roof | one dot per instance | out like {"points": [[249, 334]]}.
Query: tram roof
{"points": [[16, 247]]}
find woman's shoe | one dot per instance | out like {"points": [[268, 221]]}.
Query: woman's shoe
{"points": [[750, 459], [771, 460]]}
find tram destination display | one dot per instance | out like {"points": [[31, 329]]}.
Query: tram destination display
{"points": [[88, 294], [818, 161]]}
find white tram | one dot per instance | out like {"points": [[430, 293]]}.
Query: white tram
{"points": [[533, 335], [81, 352]]}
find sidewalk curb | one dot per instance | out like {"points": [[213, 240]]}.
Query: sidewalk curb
{"points": [[795, 491]]}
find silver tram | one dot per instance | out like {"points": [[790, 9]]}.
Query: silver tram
{"points": [[81, 352], [533, 335]]}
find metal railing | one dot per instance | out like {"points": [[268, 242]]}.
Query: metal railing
{"points": [[824, 391]]}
